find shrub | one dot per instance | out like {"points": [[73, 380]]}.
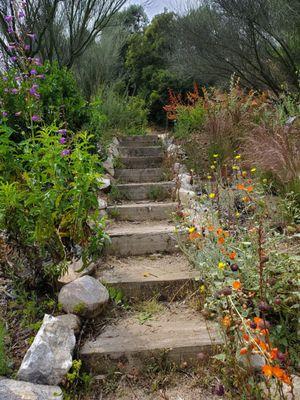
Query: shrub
{"points": [[189, 120], [47, 202], [113, 114]]}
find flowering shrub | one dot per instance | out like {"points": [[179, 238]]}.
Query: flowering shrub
{"points": [[248, 275]]}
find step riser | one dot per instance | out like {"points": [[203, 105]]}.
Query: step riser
{"points": [[155, 213], [140, 141], [141, 151], [103, 363], [139, 175], [164, 290], [141, 162], [145, 192], [141, 244]]}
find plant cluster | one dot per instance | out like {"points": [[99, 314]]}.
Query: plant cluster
{"points": [[248, 273]]}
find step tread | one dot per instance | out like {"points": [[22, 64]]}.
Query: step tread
{"points": [[144, 228], [149, 184], [154, 268], [143, 204], [175, 327]]}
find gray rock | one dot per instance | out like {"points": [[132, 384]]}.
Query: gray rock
{"points": [[108, 165], [185, 181], [70, 320], [84, 296], [102, 204], [104, 183], [75, 270], [49, 357], [286, 389], [18, 390], [186, 196]]}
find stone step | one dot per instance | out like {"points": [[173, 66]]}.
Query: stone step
{"points": [[141, 151], [142, 212], [141, 162], [139, 175], [139, 141], [132, 239], [176, 333], [157, 191], [169, 276]]}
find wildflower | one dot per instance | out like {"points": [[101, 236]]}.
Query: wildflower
{"points": [[10, 31], [237, 157], [31, 36], [33, 72], [62, 131], [62, 140], [17, 114], [4, 114], [202, 288], [14, 91], [221, 265], [226, 321], [243, 351], [244, 173], [232, 255], [212, 167], [219, 231], [215, 155], [235, 167], [267, 371], [8, 18], [234, 267], [65, 152], [246, 199], [249, 189], [210, 228], [209, 177], [240, 186], [274, 353], [246, 337], [236, 285], [212, 195], [237, 214], [221, 240], [265, 180], [253, 170], [21, 14], [192, 229], [35, 118], [13, 58]]}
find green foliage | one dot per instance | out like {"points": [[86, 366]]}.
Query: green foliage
{"points": [[47, 207], [113, 114], [77, 381], [189, 119], [4, 364]]}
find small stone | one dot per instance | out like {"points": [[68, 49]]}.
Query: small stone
{"points": [[104, 183], [75, 271], [49, 358], [70, 320], [185, 181], [85, 297], [108, 165], [102, 204], [186, 196], [18, 390]]}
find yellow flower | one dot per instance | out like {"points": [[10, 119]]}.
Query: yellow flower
{"points": [[215, 162], [209, 176], [216, 155], [265, 180], [221, 265], [202, 289], [212, 167], [244, 173], [235, 167], [238, 157], [192, 229], [253, 170], [237, 214], [212, 195]]}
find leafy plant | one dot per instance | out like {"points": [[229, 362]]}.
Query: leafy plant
{"points": [[4, 364]]}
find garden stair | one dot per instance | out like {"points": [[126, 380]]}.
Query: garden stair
{"points": [[142, 261]]}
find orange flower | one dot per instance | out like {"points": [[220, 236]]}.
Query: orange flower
{"points": [[258, 320], [219, 231], [194, 235], [240, 186], [221, 240], [236, 285], [267, 370], [286, 379], [274, 353], [232, 255], [246, 199], [226, 321], [250, 189], [246, 337], [264, 332], [278, 372], [263, 345], [243, 351], [210, 228]]}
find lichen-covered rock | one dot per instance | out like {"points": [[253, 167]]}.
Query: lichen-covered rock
{"points": [[70, 320], [185, 181], [76, 270], [18, 390], [186, 196], [108, 165], [85, 297], [49, 357]]}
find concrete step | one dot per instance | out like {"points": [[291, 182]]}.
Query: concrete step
{"points": [[141, 162], [176, 333], [169, 276], [142, 212], [141, 151], [139, 141], [132, 239], [139, 175], [157, 191]]}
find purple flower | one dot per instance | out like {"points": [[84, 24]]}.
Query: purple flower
{"points": [[13, 58], [14, 91], [11, 47], [26, 47], [33, 72], [4, 78], [40, 76], [33, 89], [62, 131], [65, 152], [36, 61], [10, 30], [8, 18], [35, 118], [21, 14], [17, 114], [31, 36], [63, 140], [4, 114]]}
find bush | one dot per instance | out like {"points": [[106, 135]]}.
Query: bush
{"points": [[189, 120], [113, 114], [46, 202]]}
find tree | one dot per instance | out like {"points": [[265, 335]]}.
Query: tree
{"points": [[63, 29]]}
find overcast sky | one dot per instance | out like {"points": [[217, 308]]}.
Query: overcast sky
{"points": [[154, 7]]}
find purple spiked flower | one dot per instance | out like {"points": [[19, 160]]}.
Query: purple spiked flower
{"points": [[65, 152], [8, 18], [62, 131], [35, 118], [62, 140], [33, 72], [4, 114]]}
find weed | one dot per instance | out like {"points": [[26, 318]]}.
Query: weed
{"points": [[115, 194], [156, 193], [148, 309], [4, 363], [114, 213]]}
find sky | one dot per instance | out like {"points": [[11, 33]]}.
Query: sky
{"points": [[154, 7]]}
